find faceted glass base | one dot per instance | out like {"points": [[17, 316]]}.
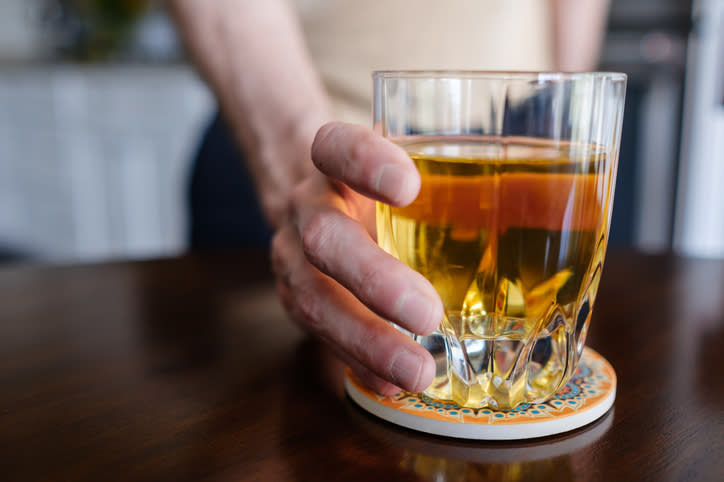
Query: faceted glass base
{"points": [[500, 363]]}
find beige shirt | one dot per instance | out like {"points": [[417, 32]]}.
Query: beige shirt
{"points": [[349, 39]]}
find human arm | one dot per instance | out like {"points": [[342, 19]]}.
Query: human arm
{"points": [[331, 276], [578, 31], [252, 56]]}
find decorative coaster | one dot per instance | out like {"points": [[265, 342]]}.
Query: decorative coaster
{"points": [[586, 397], [480, 451]]}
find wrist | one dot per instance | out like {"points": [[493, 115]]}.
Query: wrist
{"points": [[281, 158]]}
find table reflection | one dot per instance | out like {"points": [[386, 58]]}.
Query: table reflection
{"points": [[440, 459]]}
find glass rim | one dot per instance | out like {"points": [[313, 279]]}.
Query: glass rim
{"points": [[496, 75]]}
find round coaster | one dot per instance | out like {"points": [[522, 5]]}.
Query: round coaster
{"points": [[586, 397], [480, 451]]}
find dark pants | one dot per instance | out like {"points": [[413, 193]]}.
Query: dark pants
{"points": [[224, 211]]}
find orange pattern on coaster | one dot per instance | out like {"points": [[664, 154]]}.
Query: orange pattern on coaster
{"points": [[592, 382]]}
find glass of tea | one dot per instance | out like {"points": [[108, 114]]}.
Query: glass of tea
{"points": [[511, 223]]}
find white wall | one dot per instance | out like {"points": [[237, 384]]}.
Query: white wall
{"points": [[93, 160]]}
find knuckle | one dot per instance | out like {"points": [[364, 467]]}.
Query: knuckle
{"points": [[365, 346], [369, 281], [277, 251], [360, 149], [309, 307], [279, 257], [324, 132], [298, 296], [316, 236], [319, 143], [369, 351], [282, 251]]}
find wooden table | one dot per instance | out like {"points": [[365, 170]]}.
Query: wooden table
{"points": [[187, 369]]}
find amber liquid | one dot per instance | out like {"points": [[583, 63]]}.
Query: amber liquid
{"points": [[512, 237]]}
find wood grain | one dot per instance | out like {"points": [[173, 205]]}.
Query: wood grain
{"points": [[187, 369]]}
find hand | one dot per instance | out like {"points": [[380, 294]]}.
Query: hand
{"points": [[332, 277]]}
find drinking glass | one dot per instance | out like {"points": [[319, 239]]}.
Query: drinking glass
{"points": [[511, 223]]}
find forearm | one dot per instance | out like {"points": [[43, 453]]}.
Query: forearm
{"points": [[578, 30], [252, 55]]}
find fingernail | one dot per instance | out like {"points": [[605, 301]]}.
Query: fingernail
{"points": [[392, 182], [405, 370], [418, 313]]}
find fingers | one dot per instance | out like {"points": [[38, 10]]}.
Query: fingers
{"points": [[332, 277], [367, 162], [381, 282], [368, 377], [341, 248], [381, 355]]}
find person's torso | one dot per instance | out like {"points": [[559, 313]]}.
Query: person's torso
{"points": [[349, 39]]}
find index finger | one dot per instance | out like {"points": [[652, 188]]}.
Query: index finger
{"points": [[367, 162]]}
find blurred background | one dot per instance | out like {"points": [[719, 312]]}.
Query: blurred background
{"points": [[100, 116]]}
